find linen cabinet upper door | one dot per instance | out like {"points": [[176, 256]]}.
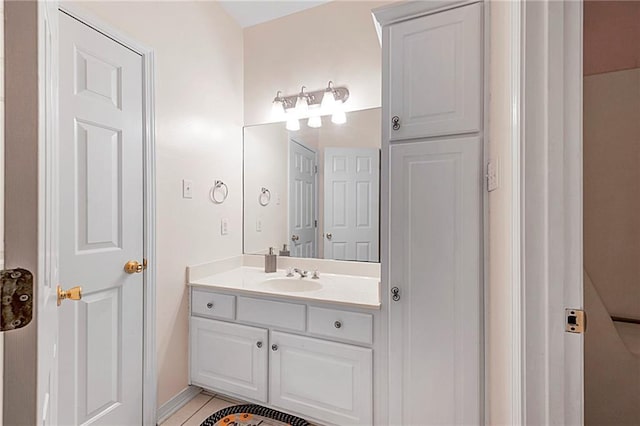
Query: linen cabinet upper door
{"points": [[435, 74]]}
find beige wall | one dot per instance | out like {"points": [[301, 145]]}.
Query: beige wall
{"points": [[612, 188], [336, 41], [199, 93], [498, 308]]}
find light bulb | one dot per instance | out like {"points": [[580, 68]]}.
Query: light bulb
{"points": [[277, 111], [328, 102], [293, 124], [302, 107], [314, 122], [339, 116]]}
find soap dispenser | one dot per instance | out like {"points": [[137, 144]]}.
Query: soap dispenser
{"points": [[270, 261], [285, 251]]}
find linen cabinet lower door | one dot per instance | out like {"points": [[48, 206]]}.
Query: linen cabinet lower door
{"points": [[229, 358], [326, 380]]}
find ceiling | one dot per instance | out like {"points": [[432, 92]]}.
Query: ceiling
{"points": [[248, 13]]}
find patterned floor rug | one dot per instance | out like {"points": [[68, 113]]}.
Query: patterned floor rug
{"points": [[252, 415]]}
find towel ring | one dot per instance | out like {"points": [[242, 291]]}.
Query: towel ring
{"points": [[219, 187], [265, 197]]}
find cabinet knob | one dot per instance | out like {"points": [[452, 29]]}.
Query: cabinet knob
{"points": [[396, 122], [274, 347], [210, 305], [259, 344], [337, 324]]}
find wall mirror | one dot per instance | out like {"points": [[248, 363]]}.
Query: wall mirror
{"points": [[315, 190]]}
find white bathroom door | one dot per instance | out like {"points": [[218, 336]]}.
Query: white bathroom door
{"points": [[302, 200], [351, 204], [101, 228]]}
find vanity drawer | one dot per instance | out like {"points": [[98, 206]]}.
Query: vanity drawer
{"points": [[212, 305], [333, 323], [269, 313]]}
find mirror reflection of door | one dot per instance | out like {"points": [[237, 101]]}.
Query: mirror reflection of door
{"points": [[351, 203], [303, 168]]}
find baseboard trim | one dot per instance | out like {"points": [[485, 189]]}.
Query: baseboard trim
{"points": [[177, 402]]}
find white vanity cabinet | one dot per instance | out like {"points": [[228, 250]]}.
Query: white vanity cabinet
{"points": [[432, 208], [327, 380], [434, 74], [229, 357], [312, 360]]}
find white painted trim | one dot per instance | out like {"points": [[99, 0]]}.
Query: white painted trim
{"points": [[397, 12], [170, 407], [517, 329], [150, 378], [551, 196]]}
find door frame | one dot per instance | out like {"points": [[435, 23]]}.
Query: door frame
{"points": [[549, 212], [149, 378], [38, 252]]}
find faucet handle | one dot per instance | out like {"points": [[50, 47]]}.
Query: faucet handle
{"points": [[289, 272], [316, 274]]}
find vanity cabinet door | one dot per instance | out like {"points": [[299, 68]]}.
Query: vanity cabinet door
{"points": [[325, 380], [435, 273], [230, 358], [434, 74]]}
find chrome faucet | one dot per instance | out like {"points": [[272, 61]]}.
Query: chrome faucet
{"points": [[303, 274]]}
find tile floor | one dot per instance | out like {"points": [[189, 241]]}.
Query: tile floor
{"points": [[198, 409]]}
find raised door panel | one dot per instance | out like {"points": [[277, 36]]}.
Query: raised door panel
{"points": [[324, 380], [435, 261], [229, 358], [435, 74]]}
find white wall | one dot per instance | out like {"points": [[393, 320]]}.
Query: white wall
{"points": [[266, 164], [335, 41], [199, 117]]}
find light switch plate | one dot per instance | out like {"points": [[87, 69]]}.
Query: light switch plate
{"points": [[224, 226], [187, 188]]}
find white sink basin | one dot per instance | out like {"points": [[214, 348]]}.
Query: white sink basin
{"points": [[292, 285]]}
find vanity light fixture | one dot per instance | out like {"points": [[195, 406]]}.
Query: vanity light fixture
{"points": [[293, 123], [277, 107], [328, 99], [314, 121], [302, 104], [311, 105], [338, 116]]}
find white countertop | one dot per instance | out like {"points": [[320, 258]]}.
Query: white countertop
{"points": [[332, 288]]}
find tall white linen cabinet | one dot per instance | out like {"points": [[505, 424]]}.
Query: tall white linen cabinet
{"points": [[432, 210]]}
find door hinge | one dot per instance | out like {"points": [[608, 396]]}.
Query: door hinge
{"points": [[315, 169], [575, 321], [315, 223], [493, 175]]}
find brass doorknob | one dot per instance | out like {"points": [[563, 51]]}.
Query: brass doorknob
{"points": [[134, 267], [74, 293]]}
